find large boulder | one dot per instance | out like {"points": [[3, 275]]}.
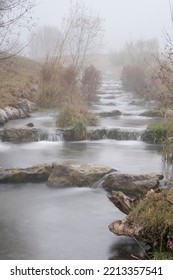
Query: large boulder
{"points": [[22, 135], [132, 183], [76, 174], [38, 173]]}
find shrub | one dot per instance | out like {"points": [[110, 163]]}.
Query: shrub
{"points": [[157, 132], [47, 97], [58, 86], [161, 133], [70, 115], [91, 80], [154, 216], [80, 130], [159, 255]]}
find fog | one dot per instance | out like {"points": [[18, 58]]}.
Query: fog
{"points": [[124, 20]]}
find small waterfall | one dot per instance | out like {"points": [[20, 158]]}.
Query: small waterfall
{"points": [[53, 135], [99, 184], [114, 134], [53, 138]]}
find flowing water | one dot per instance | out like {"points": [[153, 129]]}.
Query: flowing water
{"points": [[39, 222]]}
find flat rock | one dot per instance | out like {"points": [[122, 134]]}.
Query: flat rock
{"points": [[37, 173], [77, 174], [22, 135], [57, 174], [132, 183]]}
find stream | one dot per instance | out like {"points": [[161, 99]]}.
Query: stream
{"points": [[41, 222]]}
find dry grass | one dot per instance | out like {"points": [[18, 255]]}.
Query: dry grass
{"points": [[17, 75], [154, 215]]}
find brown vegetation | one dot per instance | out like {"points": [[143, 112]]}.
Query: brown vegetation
{"points": [[18, 78], [91, 81], [149, 219]]}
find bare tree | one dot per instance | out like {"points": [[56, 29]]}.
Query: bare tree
{"points": [[139, 67], [80, 33], [43, 42], [85, 33], [14, 15]]}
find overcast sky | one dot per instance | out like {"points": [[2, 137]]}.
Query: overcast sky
{"points": [[124, 19]]}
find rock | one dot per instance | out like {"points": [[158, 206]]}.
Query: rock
{"points": [[97, 134], [109, 97], [36, 173], [113, 113], [76, 174], [22, 135], [12, 113], [22, 114], [22, 110], [2, 120], [153, 113], [30, 124], [122, 227], [3, 116], [132, 183], [27, 106], [57, 174], [138, 102], [113, 133], [124, 203], [110, 104], [69, 134], [72, 134], [118, 134]]}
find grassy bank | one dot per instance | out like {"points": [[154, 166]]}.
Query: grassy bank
{"points": [[17, 76]]}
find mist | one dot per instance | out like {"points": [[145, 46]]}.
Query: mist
{"points": [[122, 20]]}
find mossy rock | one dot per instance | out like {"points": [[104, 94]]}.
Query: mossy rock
{"points": [[154, 113], [155, 133]]}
